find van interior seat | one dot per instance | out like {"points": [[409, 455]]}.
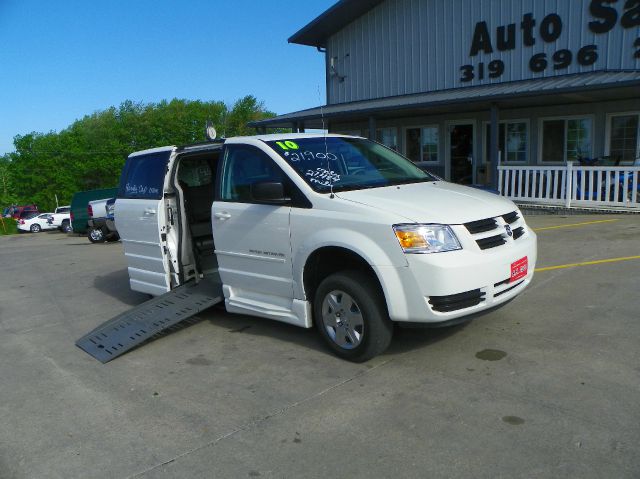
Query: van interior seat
{"points": [[198, 206]]}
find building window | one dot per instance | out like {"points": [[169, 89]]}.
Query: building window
{"points": [[422, 144], [624, 138], [566, 139], [388, 137], [513, 141], [349, 132]]}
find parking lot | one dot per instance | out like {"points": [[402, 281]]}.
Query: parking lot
{"points": [[547, 386]]}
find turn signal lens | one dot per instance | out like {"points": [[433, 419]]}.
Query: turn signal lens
{"points": [[411, 239], [417, 238]]}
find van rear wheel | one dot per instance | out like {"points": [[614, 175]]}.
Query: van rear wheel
{"points": [[96, 235], [351, 316]]}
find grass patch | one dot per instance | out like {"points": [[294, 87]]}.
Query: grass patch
{"points": [[10, 226]]}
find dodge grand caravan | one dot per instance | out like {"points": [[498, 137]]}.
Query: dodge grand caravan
{"points": [[328, 230]]}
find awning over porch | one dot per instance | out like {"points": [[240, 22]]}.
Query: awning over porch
{"points": [[558, 90]]}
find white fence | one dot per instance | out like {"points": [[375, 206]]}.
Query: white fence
{"points": [[572, 185]]}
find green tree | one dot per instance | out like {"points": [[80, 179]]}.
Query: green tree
{"points": [[245, 110], [90, 153], [7, 196]]}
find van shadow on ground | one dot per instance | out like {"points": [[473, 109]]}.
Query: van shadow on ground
{"points": [[116, 285], [404, 340]]}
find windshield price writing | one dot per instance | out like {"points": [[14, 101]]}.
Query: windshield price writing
{"points": [[322, 176], [309, 156]]}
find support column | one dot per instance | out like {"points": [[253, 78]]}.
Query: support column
{"points": [[494, 131], [372, 128]]}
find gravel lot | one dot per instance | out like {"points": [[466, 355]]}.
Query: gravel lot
{"points": [[548, 386]]}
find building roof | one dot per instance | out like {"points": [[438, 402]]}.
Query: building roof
{"points": [[316, 33], [565, 89]]}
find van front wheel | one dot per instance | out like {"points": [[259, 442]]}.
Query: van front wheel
{"points": [[351, 316]]}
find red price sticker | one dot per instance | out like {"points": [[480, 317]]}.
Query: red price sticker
{"points": [[519, 269]]}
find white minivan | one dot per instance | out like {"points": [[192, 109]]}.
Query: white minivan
{"points": [[323, 229]]}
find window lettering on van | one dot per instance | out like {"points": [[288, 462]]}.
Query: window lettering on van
{"points": [[140, 190], [322, 176], [143, 176], [344, 163], [310, 156]]}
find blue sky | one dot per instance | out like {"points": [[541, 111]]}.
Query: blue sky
{"points": [[61, 60]]}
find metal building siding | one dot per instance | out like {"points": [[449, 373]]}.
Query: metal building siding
{"points": [[413, 46]]}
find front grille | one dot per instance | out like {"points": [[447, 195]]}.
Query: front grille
{"points": [[454, 302], [491, 242], [511, 217], [518, 232], [481, 226], [478, 227]]}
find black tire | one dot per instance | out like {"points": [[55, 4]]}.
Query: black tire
{"points": [[65, 227], [360, 333], [35, 228], [96, 235]]}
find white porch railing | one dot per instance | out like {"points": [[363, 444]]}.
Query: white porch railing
{"points": [[572, 185]]}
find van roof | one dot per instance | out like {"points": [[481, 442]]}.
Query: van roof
{"points": [[240, 139]]}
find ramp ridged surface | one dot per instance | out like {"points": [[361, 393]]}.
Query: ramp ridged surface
{"points": [[133, 327]]}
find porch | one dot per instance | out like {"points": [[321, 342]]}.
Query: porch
{"points": [[572, 186]]}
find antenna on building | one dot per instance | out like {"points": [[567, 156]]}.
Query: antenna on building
{"points": [[333, 71]]}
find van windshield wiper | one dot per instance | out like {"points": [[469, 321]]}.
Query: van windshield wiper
{"points": [[408, 181]]}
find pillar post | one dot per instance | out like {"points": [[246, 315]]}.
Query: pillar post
{"points": [[494, 144]]}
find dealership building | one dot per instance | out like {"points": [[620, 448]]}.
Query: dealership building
{"points": [[459, 86]]}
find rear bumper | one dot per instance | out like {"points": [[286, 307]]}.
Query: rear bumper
{"points": [[441, 287], [105, 223]]}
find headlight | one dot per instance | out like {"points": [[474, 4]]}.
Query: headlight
{"points": [[415, 238]]}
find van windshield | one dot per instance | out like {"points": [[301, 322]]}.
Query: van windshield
{"points": [[338, 164]]}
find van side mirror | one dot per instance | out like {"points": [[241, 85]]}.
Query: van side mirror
{"points": [[271, 192]]}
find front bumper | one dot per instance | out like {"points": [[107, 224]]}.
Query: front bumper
{"points": [[443, 286]]}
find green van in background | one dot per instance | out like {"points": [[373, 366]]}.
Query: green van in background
{"points": [[79, 213]]}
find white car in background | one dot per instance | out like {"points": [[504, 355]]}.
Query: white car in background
{"points": [[37, 223]]}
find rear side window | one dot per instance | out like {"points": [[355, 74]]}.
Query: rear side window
{"points": [[143, 176]]}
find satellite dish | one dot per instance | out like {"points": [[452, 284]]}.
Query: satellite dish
{"points": [[210, 132]]}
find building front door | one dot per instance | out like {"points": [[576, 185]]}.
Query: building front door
{"points": [[461, 153]]}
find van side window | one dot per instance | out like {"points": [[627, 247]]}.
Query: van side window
{"points": [[143, 176], [244, 166]]}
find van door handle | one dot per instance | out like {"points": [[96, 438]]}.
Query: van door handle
{"points": [[222, 215], [149, 211]]}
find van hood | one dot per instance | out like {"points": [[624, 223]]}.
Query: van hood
{"points": [[433, 202]]}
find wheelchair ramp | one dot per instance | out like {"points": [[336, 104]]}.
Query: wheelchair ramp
{"points": [[133, 327]]}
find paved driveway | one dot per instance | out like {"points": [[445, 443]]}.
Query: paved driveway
{"points": [[548, 386]]}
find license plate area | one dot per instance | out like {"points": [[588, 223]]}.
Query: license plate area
{"points": [[519, 269]]}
